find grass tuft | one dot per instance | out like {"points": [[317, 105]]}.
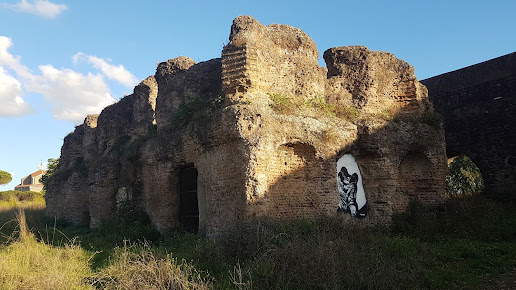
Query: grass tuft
{"points": [[137, 267], [31, 264], [316, 105]]}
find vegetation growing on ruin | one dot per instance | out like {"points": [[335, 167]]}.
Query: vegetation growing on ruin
{"points": [[197, 108], [465, 245], [433, 119], [316, 105], [430, 118]]}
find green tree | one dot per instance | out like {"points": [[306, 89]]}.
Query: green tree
{"points": [[5, 177], [53, 164], [464, 177]]}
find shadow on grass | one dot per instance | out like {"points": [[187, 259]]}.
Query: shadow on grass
{"points": [[465, 244]]}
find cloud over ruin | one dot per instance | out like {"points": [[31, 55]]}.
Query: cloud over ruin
{"points": [[10, 96], [71, 94]]}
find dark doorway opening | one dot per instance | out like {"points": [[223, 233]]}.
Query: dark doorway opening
{"points": [[188, 203]]}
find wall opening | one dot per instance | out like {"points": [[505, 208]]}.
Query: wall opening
{"points": [[188, 202], [417, 176], [464, 177]]}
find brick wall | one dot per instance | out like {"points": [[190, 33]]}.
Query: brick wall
{"points": [[478, 104]]}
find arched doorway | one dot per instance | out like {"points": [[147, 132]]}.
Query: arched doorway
{"points": [[188, 202]]}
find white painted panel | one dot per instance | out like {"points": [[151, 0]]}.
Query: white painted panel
{"points": [[350, 187]]}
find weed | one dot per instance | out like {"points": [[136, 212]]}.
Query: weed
{"points": [[31, 264], [137, 267], [298, 106], [197, 108]]}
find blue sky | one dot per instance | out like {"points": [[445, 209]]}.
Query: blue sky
{"points": [[60, 59]]}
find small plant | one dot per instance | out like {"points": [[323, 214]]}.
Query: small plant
{"points": [[349, 113], [432, 119], [283, 104], [241, 279], [197, 108], [298, 106]]}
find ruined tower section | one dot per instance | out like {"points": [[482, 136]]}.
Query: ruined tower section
{"points": [[68, 190], [275, 60], [400, 142], [199, 168], [375, 82], [99, 171], [115, 175], [260, 65]]}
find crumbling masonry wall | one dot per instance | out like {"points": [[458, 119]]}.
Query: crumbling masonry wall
{"points": [[267, 130], [478, 104]]}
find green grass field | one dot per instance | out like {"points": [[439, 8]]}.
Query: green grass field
{"points": [[468, 244]]}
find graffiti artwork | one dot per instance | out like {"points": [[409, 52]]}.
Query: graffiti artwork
{"points": [[350, 187]]}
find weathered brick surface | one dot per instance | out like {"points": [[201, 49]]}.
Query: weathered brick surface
{"points": [[68, 193], [478, 104], [252, 159]]}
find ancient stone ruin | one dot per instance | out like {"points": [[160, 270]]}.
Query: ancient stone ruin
{"points": [[262, 131]]}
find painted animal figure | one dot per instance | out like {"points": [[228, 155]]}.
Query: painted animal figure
{"points": [[348, 194]]}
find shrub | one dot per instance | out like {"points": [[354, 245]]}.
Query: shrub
{"points": [[5, 177], [197, 108], [464, 177], [52, 166], [15, 198], [137, 267]]}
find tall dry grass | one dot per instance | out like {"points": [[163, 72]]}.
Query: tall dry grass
{"points": [[26, 263], [29, 263], [137, 267]]}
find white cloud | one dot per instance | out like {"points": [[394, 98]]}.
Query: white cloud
{"points": [[12, 104], [114, 72], [11, 61], [71, 94], [43, 8]]}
